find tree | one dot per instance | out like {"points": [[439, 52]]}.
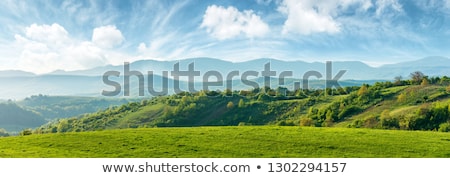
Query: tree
{"points": [[63, 126], [424, 82], [329, 119], [26, 132], [398, 80], [306, 122], [230, 105], [416, 77], [387, 121], [401, 97], [241, 103], [227, 92], [363, 90]]}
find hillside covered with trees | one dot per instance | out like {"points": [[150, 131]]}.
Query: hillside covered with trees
{"points": [[16, 118], [37, 110], [421, 103]]}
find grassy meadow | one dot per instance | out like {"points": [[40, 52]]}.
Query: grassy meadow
{"points": [[231, 141]]}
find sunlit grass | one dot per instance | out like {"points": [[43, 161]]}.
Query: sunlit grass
{"points": [[248, 141]]}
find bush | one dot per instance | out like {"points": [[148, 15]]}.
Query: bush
{"points": [[349, 111], [371, 122], [356, 124], [285, 123], [306, 122], [26, 132], [244, 124], [444, 127], [387, 121]]}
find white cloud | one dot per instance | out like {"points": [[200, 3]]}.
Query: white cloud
{"points": [[302, 18], [107, 36], [45, 48], [142, 47], [224, 23], [310, 16], [384, 5], [54, 33]]}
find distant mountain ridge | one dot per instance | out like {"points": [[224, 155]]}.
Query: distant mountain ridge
{"points": [[20, 84], [15, 73], [356, 70]]}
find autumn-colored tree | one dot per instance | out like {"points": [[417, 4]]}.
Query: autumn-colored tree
{"points": [[424, 82], [401, 97], [230, 105], [241, 103], [363, 90]]}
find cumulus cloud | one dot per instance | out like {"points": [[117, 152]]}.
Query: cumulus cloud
{"points": [[224, 23], [304, 18], [54, 33], [107, 36], [311, 16], [45, 48]]}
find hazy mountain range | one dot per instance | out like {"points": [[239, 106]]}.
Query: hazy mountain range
{"points": [[19, 84]]}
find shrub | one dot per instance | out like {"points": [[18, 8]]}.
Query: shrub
{"points": [[444, 127], [230, 105], [285, 123], [306, 122], [242, 124], [26, 132], [349, 111], [371, 122], [387, 121]]}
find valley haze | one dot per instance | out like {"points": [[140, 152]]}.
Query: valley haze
{"points": [[21, 84]]}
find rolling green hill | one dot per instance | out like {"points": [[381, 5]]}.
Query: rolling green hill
{"points": [[37, 110], [382, 105], [123, 131], [54, 107], [16, 118], [237, 142]]}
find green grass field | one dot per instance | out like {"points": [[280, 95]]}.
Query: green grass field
{"points": [[235, 142]]}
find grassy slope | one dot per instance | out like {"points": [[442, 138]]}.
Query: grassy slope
{"points": [[396, 108], [253, 141]]}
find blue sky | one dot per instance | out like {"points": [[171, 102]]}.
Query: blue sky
{"points": [[42, 36]]}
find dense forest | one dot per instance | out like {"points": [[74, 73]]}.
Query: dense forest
{"points": [[420, 103]]}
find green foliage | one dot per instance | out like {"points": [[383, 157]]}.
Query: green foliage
{"points": [[286, 123], [417, 77], [387, 121], [26, 132], [444, 127], [349, 111], [241, 103], [382, 105], [55, 107], [306, 122]]}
